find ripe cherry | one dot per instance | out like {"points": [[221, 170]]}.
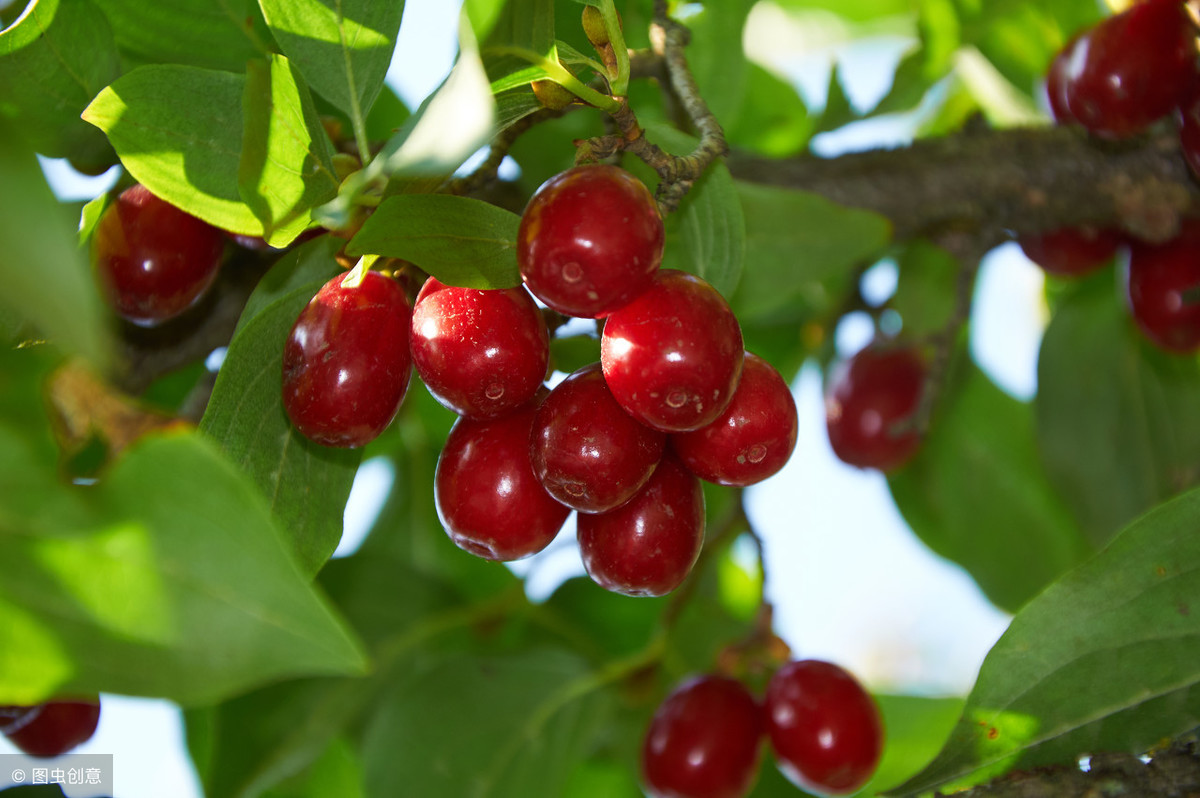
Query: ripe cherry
{"points": [[1189, 128], [824, 727], [488, 498], [1056, 86], [703, 741], [1130, 69], [589, 453], [673, 356], [152, 260], [1071, 251], [590, 240], [480, 353], [13, 716], [870, 404], [752, 439], [1162, 283], [647, 546], [53, 728], [346, 362]]}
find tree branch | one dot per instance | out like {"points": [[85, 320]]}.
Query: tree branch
{"points": [[1019, 180]]}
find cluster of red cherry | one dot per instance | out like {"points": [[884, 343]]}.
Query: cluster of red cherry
{"points": [[1116, 79], [705, 739], [622, 441], [50, 729]]}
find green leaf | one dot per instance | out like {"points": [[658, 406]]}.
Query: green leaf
{"points": [[527, 731], [803, 249], [483, 15], [838, 111], [57, 296], [853, 10], [216, 35], [773, 121], [306, 484], [166, 579], [53, 61], [978, 495], [178, 130], [1104, 660], [1116, 420], [343, 48], [925, 292], [716, 57], [286, 166], [459, 240]]}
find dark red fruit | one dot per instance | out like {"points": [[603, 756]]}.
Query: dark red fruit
{"points": [[153, 261], [13, 717], [480, 353], [647, 546], [823, 726], [590, 240], [1072, 251], [1162, 287], [703, 741], [1056, 86], [1189, 128], [346, 362], [488, 498], [589, 453], [56, 727], [1130, 69], [752, 439], [673, 356], [870, 404]]}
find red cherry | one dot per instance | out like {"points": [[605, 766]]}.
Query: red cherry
{"points": [[870, 404], [54, 728], [488, 498], [1056, 86], [647, 546], [153, 261], [589, 453], [1161, 287], [752, 439], [1189, 128], [1130, 69], [1072, 251], [590, 240], [703, 741], [480, 353], [13, 716], [346, 362], [824, 727], [673, 356]]}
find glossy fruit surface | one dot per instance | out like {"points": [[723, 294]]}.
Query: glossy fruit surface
{"points": [[673, 356], [1130, 69], [488, 498], [346, 362], [752, 439], [1189, 128], [13, 717], [703, 741], [589, 453], [647, 546], [152, 260], [824, 727], [1162, 283], [1056, 86], [869, 407], [590, 240], [1071, 251], [480, 353], [57, 727]]}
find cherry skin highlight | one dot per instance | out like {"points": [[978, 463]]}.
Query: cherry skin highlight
{"points": [[1130, 69], [1189, 128], [752, 439], [1161, 287], [703, 741], [152, 260], [590, 240], [481, 353], [871, 399], [1071, 251], [589, 453], [346, 362], [14, 716], [647, 546], [56, 727], [488, 498], [673, 356], [824, 727]]}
